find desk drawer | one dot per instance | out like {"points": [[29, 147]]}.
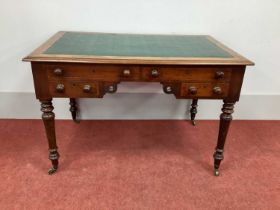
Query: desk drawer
{"points": [[207, 90], [186, 74], [95, 72], [74, 89]]}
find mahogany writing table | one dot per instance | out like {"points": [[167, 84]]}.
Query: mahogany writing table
{"points": [[89, 65]]}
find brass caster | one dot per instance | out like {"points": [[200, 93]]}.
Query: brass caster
{"points": [[52, 170], [77, 121], [216, 172], [193, 122]]}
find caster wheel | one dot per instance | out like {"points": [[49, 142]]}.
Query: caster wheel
{"points": [[77, 121], [216, 172], [52, 171], [193, 123]]}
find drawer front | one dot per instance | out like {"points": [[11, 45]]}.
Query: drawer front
{"points": [[204, 90], [117, 73], [95, 72], [162, 74], [74, 89]]}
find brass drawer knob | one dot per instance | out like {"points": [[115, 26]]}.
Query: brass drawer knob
{"points": [[112, 89], [60, 88], [217, 90], [58, 71], [192, 90], [87, 88], [126, 72], [154, 73], [167, 89], [219, 75]]}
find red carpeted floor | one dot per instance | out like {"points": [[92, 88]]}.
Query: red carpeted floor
{"points": [[140, 165]]}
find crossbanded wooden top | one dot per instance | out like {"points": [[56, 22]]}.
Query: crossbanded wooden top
{"points": [[135, 49]]}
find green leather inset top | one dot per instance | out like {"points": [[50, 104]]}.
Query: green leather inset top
{"points": [[98, 44]]}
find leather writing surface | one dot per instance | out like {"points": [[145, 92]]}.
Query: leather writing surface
{"points": [[98, 44]]}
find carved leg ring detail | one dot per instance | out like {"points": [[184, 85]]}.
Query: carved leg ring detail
{"points": [[218, 157], [53, 156], [225, 119]]}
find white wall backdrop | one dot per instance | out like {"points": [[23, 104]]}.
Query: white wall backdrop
{"points": [[250, 27]]}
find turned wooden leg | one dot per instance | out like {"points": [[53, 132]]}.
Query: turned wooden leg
{"points": [[225, 119], [73, 109], [193, 111], [48, 119]]}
